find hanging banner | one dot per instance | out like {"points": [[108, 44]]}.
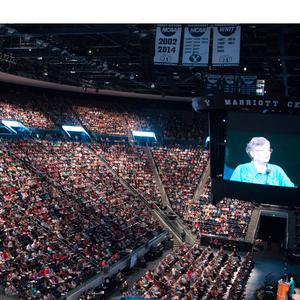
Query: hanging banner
{"points": [[212, 84], [196, 45], [230, 84], [167, 44], [248, 85], [226, 45]]}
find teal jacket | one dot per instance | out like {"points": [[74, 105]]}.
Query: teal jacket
{"points": [[292, 287], [273, 176]]}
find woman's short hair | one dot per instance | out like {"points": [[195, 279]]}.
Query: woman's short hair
{"points": [[255, 141]]}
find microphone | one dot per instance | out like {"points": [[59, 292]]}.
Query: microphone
{"points": [[268, 171]]}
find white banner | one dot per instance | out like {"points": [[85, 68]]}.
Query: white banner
{"points": [[196, 45], [226, 45], [167, 44]]}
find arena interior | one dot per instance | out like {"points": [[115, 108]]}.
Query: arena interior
{"points": [[108, 166]]}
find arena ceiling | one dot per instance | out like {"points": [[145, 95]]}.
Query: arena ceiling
{"points": [[120, 57]]}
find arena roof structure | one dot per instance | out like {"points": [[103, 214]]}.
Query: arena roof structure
{"points": [[120, 57]]}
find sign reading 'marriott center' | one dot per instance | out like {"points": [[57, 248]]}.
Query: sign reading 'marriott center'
{"points": [[227, 103], [261, 102]]}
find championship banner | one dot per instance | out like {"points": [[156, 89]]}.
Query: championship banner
{"points": [[230, 84], [212, 84], [248, 85], [196, 45], [167, 44], [226, 45]]}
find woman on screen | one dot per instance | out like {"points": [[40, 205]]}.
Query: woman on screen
{"points": [[259, 170]]}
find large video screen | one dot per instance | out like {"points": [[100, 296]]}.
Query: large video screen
{"points": [[262, 149]]}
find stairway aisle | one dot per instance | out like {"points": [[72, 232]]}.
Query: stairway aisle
{"points": [[164, 197], [202, 182]]}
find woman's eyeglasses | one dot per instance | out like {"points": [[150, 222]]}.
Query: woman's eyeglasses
{"points": [[265, 150]]}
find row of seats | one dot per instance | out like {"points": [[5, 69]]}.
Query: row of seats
{"points": [[196, 273], [56, 184], [34, 263], [181, 170], [103, 118], [229, 218], [132, 164]]}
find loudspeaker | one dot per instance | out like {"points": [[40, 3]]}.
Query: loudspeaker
{"points": [[196, 103]]}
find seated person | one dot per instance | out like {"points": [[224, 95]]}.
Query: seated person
{"points": [[259, 170]]}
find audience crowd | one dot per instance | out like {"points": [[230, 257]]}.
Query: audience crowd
{"points": [[47, 186], [132, 164], [196, 273], [118, 121], [139, 120], [180, 170], [60, 112], [45, 112], [35, 263], [26, 112], [229, 218], [51, 183], [180, 126], [102, 120]]}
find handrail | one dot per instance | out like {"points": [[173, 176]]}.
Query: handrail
{"points": [[222, 237], [256, 225], [112, 269]]}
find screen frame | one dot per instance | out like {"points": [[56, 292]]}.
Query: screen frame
{"points": [[281, 130], [257, 193]]}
